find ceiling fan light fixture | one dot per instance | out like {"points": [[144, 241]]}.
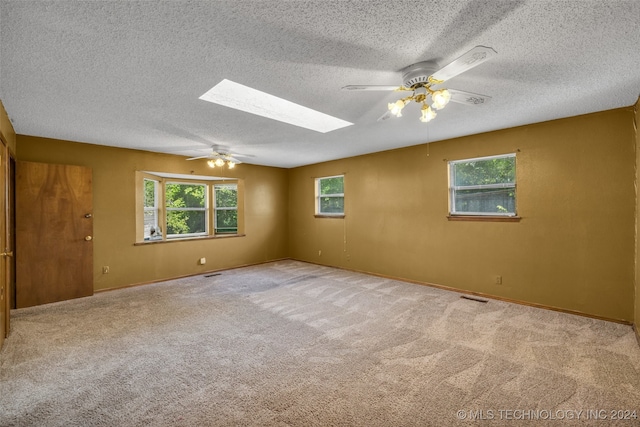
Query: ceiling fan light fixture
{"points": [[440, 98], [219, 159], [427, 114], [396, 107], [419, 78]]}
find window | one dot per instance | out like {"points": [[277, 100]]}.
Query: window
{"points": [[226, 208], [483, 186], [151, 209], [186, 206], [330, 196], [171, 206]]}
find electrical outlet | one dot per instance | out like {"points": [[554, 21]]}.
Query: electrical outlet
{"points": [[320, 253], [203, 261], [498, 280], [105, 269]]}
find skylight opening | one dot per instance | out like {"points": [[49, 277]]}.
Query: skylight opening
{"points": [[244, 98]]}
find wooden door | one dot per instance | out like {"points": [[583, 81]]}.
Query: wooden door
{"points": [[54, 233]]}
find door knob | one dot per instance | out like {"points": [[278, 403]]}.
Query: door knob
{"points": [[88, 238], [87, 215]]}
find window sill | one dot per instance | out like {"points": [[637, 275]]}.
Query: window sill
{"points": [[484, 218], [329, 216], [186, 239]]}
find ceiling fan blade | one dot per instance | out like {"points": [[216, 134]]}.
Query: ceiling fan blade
{"points": [[200, 157], [468, 98], [372, 87], [384, 117], [236, 155], [473, 58]]}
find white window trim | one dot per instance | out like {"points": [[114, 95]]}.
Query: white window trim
{"points": [[156, 198], [204, 209], [454, 188], [318, 196], [222, 208], [163, 178]]}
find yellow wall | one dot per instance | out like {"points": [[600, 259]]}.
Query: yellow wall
{"points": [[265, 202], [573, 249]]}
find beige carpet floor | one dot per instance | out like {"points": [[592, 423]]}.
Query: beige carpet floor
{"points": [[295, 344]]}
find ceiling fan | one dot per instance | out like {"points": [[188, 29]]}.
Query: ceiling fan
{"points": [[220, 159], [422, 78]]}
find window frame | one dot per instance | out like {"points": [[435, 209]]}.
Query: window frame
{"points": [[318, 196], [168, 209], [479, 216], [164, 178], [216, 208], [156, 206]]}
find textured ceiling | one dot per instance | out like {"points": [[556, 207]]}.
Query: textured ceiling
{"points": [[129, 74]]}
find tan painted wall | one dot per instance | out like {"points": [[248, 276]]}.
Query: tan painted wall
{"points": [[265, 202], [573, 249]]}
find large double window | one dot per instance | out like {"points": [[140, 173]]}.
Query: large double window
{"points": [[179, 208], [484, 186]]}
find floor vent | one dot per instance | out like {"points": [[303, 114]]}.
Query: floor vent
{"points": [[474, 299], [214, 274]]}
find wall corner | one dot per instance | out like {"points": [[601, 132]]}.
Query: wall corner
{"points": [[7, 133]]}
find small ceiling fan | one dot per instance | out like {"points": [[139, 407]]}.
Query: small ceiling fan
{"points": [[422, 78], [220, 159]]}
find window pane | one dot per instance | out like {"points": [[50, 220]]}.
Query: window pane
{"points": [[150, 218], [226, 196], [333, 185], [186, 222], [482, 172], [493, 200], [182, 195], [150, 193], [331, 204], [227, 221], [185, 195]]}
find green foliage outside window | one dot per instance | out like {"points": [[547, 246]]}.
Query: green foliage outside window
{"points": [[334, 185], [482, 172], [331, 195], [184, 208], [186, 203], [150, 193], [484, 186], [226, 215]]}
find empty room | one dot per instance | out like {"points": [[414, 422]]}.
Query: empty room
{"points": [[319, 213]]}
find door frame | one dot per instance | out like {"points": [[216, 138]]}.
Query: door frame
{"points": [[7, 260]]}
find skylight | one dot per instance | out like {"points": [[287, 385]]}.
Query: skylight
{"points": [[244, 98]]}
